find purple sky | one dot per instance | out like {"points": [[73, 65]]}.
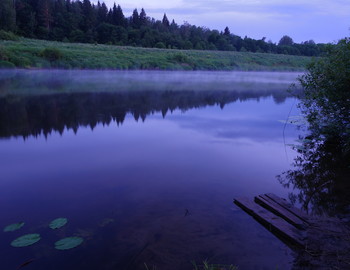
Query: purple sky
{"points": [[320, 20]]}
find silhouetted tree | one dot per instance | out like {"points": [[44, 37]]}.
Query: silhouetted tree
{"points": [[102, 13], [135, 19], [286, 41], [143, 18], [227, 31], [165, 21]]}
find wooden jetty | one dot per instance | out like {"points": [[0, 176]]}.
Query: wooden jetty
{"points": [[280, 217], [324, 242]]}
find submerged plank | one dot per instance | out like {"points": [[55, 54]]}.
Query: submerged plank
{"points": [[280, 211], [274, 223], [288, 206]]}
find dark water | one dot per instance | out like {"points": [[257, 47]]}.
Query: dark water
{"points": [[144, 175]]}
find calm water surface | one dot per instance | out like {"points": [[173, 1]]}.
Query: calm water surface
{"points": [[145, 166]]}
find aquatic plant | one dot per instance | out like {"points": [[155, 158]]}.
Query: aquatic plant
{"points": [[14, 227], [58, 223], [26, 240], [207, 266], [68, 243], [147, 268]]}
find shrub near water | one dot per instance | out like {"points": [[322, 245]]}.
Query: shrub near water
{"points": [[327, 95], [8, 36], [51, 54], [4, 63], [3, 54]]}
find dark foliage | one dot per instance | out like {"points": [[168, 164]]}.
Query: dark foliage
{"points": [[82, 21], [51, 54], [322, 169], [327, 95]]}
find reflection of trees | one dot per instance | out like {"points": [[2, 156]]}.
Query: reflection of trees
{"points": [[321, 175], [35, 115]]}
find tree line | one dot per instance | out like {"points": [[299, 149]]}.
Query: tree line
{"points": [[85, 22]]}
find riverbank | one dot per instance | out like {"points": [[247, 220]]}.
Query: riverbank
{"points": [[30, 53]]}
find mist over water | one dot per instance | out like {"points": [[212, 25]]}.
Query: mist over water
{"points": [[58, 81], [144, 165]]}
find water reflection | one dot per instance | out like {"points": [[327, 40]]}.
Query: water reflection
{"points": [[320, 177], [35, 115], [125, 190]]}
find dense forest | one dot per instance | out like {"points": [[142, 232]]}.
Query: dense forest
{"points": [[85, 22]]}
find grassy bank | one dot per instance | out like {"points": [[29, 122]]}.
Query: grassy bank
{"points": [[29, 53]]}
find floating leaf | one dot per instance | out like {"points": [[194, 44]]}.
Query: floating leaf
{"points": [[58, 223], [68, 243], [26, 240], [14, 227]]}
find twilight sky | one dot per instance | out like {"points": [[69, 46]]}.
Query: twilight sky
{"points": [[320, 20]]}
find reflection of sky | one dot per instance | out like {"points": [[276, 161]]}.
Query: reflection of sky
{"points": [[147, 173], [250, 120], [240, 132]]}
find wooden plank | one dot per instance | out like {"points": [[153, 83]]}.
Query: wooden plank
{"points": [[288, 206], [274, 223], [280, 211]]}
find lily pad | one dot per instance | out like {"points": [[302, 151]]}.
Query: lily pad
{"points": [[58, 223], [68, 243], [14, 227], [26, 240]]}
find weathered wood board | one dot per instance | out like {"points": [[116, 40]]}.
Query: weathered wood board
{"points": [[280, 211], [288, 206], [325, 241], [274, 223]]}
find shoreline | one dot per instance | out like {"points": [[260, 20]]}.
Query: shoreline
{"points": [[41, 54]]}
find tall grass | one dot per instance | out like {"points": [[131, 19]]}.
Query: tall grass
{"points": [[30, 53]]}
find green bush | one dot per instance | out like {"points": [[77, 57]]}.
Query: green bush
{"points": [[187, 62], [327, 94], [20, 61], [3, 54], [160, 45], [51, 54], [180, 57], [8, 36], [6, 64]]}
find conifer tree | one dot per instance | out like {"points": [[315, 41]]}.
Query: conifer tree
{"points": [[44, 19], [25, 18], [135, 19], [102, 12], [88, 15], [143, 17], [227, 31], [116, 16], [165, 21], [7, 15]]}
